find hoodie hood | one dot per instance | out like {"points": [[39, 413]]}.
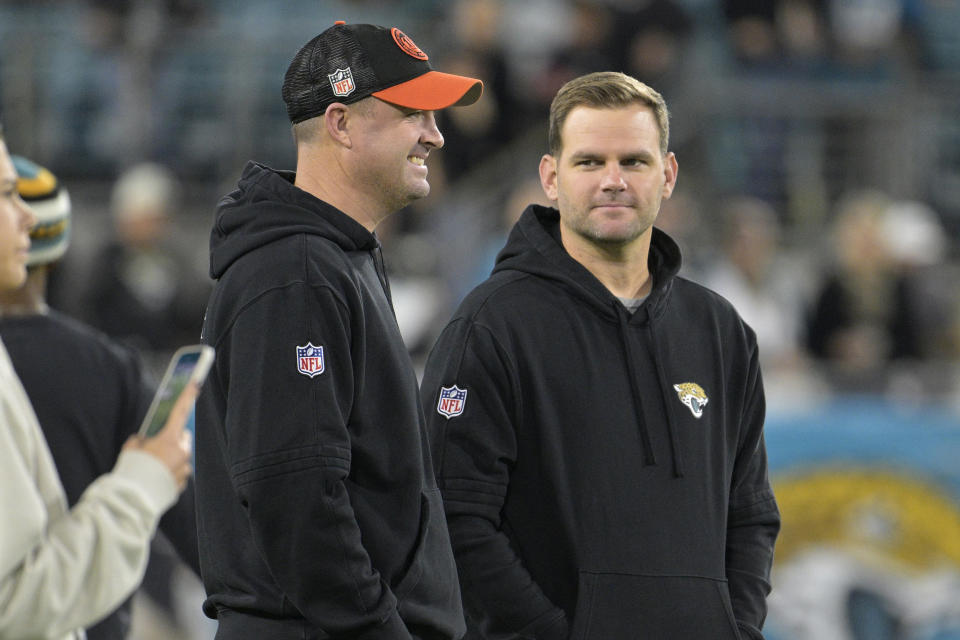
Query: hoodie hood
{"points": [[534, 247], [265, 207]]}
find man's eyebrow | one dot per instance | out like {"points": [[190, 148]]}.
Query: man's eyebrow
{"points": [[640, 153], [589, 155]]}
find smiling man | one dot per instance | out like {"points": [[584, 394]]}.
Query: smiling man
{"points": [[596, 420], [318, 511]]}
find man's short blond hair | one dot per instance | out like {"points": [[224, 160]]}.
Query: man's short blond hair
{"points": [[605, 90]]}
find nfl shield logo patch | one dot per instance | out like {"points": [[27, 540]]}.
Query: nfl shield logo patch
{"points": [[342, 82], [310, 360], [452, 401]]}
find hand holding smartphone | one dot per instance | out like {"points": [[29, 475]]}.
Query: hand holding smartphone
{"points": [[190, 363]]}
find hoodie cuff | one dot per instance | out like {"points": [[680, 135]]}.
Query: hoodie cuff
{"points": [[159, 487]]}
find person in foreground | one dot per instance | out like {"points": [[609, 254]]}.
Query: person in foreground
{"points": [[89, 392], [596, 420], [318, 512], [63, 569]]}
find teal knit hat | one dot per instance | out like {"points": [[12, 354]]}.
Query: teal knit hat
{"points": [[50, 202]]}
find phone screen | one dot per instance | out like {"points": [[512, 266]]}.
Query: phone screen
{"points": [[182, 368]]}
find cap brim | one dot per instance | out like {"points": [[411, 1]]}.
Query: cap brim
{"points": [[433, 90]]}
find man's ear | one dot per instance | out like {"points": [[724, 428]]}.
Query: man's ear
{"points": [[548, 176], [670, 172], [336, 120]]}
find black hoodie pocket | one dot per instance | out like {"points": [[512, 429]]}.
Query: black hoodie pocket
{"points": [[617, 606], [429, 593]]}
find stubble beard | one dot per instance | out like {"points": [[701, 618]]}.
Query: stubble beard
{"points": [[594, 232], [400, 193]]}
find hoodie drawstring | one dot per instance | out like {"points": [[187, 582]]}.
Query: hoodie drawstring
{"points": [[382, 274], [668, 402], [649, 458]]}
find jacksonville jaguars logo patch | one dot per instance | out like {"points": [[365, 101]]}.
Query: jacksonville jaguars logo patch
{"points": [[452, 402], [310, 360], [692, 395]]}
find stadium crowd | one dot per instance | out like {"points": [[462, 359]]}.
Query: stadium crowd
{"points": [[818, 141]]}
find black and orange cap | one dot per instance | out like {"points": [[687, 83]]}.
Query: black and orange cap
{"points": [[349, 62]]}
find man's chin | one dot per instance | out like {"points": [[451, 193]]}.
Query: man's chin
{"points": [[410, 196], [418, 191], [612, 237]]}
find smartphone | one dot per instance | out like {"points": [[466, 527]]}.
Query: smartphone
{"points": [[188, 363]]}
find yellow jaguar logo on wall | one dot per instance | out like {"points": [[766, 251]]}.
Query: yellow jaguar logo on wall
{"points": [[692, 395]]}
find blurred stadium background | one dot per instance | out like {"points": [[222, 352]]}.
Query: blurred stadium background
{"points": [[819, 151]]}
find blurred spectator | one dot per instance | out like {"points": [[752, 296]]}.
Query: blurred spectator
{"points": [[681, 217], [751, 31], [860, 317], [866, 34], [589, 46], [802, 32], [480, 131], [143, 290], [522, 193], [649, 41], [755, 274], [918, 246], [837, 36], [530, 43]]}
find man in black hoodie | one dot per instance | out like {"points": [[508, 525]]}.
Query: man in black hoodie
{"points": [[318, 511], [596, 420]]}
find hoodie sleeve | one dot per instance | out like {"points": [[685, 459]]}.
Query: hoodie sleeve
{"points": [[84, 563], [290, 456], [753, 520], [473, 453]]}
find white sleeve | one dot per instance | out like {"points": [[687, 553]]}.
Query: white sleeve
{"points": [[86, 562]]}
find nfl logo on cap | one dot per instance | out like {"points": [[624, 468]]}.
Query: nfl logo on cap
{"points": [[342, 82], [310, 360], [452, 401]]}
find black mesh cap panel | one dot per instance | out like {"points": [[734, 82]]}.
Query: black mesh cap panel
{"points": [[369, 53]]}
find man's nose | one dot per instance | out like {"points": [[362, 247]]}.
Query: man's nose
{"points": [[432, 135], [613, 178]]}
